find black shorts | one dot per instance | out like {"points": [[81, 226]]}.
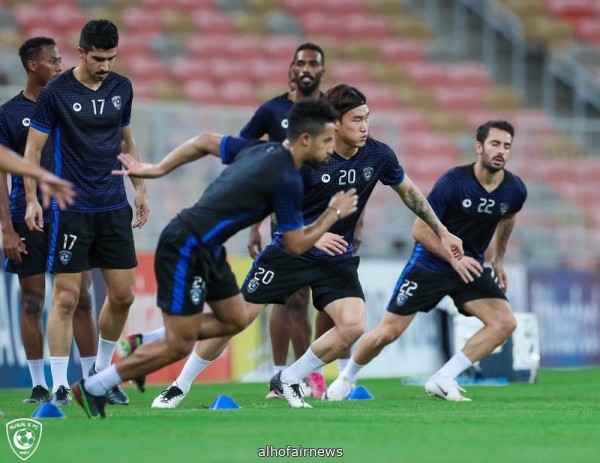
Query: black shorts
{"points": [[36, 244], [189, 274], [276, 275], [420, 290], [81, 241]]}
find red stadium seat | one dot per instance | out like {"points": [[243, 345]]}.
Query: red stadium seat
{"points": [[239, 93], [432, 145], [350, 72], [140, 20], [212, 22], [178, 5], [570, 9], [185, 70], [202, 92], [327, 7], [400, 51], [456, 99], [428, 74]]}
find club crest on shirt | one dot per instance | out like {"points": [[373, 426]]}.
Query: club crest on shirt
{"points": [[64, 256], [368, 173], [325, 178], [285, 123], [253, 285], [26, 122], [116, 101], [504, 207], [401, 299], [197, 290]]}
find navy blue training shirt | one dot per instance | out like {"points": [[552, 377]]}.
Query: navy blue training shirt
{"points": [[270, 119], [374, 162], [85, 127], [15, 117], [470, 212], [260, 179]]}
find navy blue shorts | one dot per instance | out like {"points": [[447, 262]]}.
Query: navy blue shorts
{"points": [[189, 274], [276, 275], [420, 290]]}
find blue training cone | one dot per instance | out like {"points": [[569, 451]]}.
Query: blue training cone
{"points": [[48, 410], [224, 402], [360, 393]]}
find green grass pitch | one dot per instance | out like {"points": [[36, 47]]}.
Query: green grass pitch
{"points": [[555, 420]]}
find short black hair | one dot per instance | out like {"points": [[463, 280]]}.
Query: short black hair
{"points": [[309, 46], [100, 34], [484, 129], [310, 115], [32, 49], [344, 98]]}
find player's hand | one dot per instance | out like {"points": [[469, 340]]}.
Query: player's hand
{"points": [[254, 241], [332, 244], [13, 246], [133, 168], [500, 274], [452, 246], [34, 217], [141, 208], [467, 268], [345, 201], [53, 187]]}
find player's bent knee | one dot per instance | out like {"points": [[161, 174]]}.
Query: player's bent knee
{"points": [[65, 301], [351, 333]]}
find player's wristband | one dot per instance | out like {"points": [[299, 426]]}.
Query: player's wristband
{"points": [[337, 211]]}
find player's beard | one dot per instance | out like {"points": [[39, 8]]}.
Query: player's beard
{"points": [[307, 89], [316, 163]]}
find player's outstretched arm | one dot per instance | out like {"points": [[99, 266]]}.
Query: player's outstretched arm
{"points": [[50, 185], [188, 151]]}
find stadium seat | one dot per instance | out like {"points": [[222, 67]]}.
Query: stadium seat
{"points": [[427, 74], [184, 69], [400, 51], [239, 93], [350, 72], [458, 99], [178, 5], [142, 21], [327, 7], [570, 9], [201, 92], [211, 22], [433, 145]]}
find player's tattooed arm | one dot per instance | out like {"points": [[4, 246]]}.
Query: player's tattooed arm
{"points": [[451, 245]]}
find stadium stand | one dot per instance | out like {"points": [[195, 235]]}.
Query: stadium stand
{"points": [[236, 53]]}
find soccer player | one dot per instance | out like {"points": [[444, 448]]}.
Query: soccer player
{"points": [[330, 268], [26, 252], [191, 265], [474, 201], [87, 112], [289, 321]]}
